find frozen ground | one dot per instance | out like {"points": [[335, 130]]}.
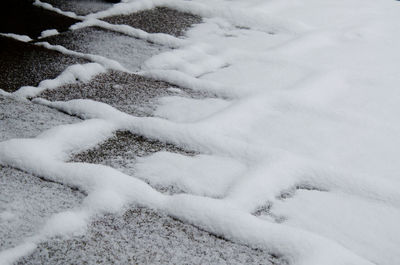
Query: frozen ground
{"points": [[265, 133], [23, 119]]}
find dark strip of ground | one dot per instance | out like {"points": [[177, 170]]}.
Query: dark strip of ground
{"points": [[145, 236], [25, 64], [23, 18], [158, 20]]}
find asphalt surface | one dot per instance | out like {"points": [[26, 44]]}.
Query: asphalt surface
{"points": [[29, 201], [135, 235], [25, 64], [23, 18], [82, 7], [158, 20], [128, 51], [131, 93]]}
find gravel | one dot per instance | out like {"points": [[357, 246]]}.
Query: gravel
{"points": [[82, 7], [131, 93], [20, 119], [128, 51]]}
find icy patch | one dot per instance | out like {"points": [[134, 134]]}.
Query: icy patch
{"points": [[108, 63], [45, 154], [315, 92]]}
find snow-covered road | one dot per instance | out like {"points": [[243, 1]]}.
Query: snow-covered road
{"points": [[280, 131]]}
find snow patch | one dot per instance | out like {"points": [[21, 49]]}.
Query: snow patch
{"points": [[48, 33], [23, 38], [195, 109], [73, 74]]}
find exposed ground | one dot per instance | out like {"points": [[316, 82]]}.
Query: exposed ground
{"points": [[24, 64], [136, 235], [158, 20]]}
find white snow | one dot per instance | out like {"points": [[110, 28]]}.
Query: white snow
{"points": [[157, 38], [195, 109], [57, 10], [48, 33], [44, 155], [23, 38], [310, 128], [6, 216], [73, 74]]}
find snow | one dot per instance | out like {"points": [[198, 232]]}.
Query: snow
{"points": [[48, 33], [308, 129], [23, 38], [196, 109], [106, 62], [74, 73], [94, 44], [203, 175], [347, 224]]}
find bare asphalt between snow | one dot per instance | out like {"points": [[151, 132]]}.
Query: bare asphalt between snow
{"points": [[137, 235]]}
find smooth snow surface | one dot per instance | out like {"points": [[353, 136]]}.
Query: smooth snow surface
{"points": [[300, 157]]}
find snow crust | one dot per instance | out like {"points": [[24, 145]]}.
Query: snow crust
{"points": [[307, 134], [108, 189]]}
